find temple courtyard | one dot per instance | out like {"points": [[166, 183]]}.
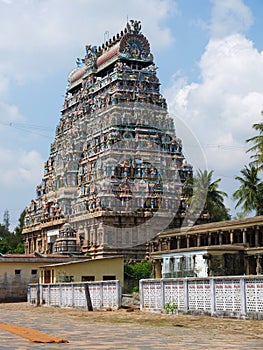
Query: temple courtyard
{"points": [[126, 329]]}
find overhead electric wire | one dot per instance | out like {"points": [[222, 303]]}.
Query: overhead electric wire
{"points": [[27, 127], [223, 147], [30, 128]]}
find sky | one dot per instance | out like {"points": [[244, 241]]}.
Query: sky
{"points": [[210, 64]]}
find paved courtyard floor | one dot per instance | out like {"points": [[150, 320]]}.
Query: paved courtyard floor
{"points": [[128, 330]]}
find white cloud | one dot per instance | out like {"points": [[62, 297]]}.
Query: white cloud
{"points": [[222, 107], [229, 17], [38, 37], [20, 172], [20, 168], [9, 113]]}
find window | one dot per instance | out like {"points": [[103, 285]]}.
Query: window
{"points": [[33, 272], [66, 279], [17, 272], [109, 278], [87, 278]]}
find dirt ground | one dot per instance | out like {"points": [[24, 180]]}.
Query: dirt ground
{"points": [[239, 331], [246, 328]]}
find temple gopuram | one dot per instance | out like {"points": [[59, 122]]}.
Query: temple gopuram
{"points": [[116, 168]]}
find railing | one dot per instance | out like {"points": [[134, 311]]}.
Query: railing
{"points": [[235, 296], [87, 295]]}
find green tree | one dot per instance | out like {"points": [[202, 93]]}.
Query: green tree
{"points": [[3, 232], [249, 195], [133, 272], [257, 145], [20, 247], [138, 271], [187, 190], [4, 247], [20, 226], [12, 242], [207, 197], [6, 219]]}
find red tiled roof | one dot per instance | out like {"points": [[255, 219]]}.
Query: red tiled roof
{"points": [[108, 55], [18, 256], [49, 256], [78, 74]]}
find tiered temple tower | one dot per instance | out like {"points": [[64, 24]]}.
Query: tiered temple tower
{"points": [[116, 169]]}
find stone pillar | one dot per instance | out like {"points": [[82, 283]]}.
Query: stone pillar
{"points": [[92, 236], [32, 246], [209, 238], [35, 245], [157, 268], [244, 232], [188, 241], [256, 236], [169, 243], [27, 246], [178, 242], [198, 241], [100, 235], [231, 236], [160, 244], [220, 238], [102, 238]]}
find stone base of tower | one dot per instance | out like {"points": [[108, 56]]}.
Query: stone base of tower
{"points": [[100, 233], [106, 233], [131, 254]]}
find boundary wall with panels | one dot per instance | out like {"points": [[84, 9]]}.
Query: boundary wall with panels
{"points": [[235, 296], [98, 295]]}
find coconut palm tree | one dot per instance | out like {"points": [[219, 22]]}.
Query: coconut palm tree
{"points": [[208, 197], [257, 147], [249, 195]]}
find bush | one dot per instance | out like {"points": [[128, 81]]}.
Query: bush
{"points": [[135, 289], [170, 307], [138, 271]]}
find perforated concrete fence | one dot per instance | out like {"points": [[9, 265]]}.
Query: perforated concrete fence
{"points": [[86, 295], [238, 296]]}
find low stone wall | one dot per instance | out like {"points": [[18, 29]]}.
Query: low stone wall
{"points": [[86, 295], [13, 287], [238, 296]]}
